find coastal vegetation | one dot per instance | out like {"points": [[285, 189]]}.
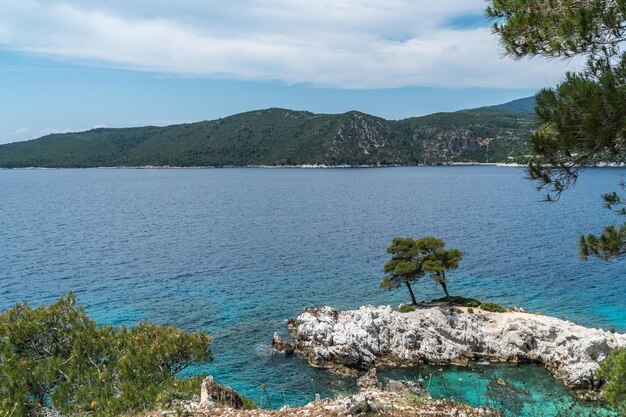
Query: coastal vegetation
{"points": [[584, 117], [57, 359], [412, 259], [402, 268], [436, 261], [471, 303], [613, 370], [279, 137]]}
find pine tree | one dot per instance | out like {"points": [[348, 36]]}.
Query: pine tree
{"points": [[412, 259], [436, 260], [57, 358], [583, 119], [402, 268]]}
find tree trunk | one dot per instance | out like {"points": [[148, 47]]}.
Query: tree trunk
{"points": [[411, 292], [445, 288]]}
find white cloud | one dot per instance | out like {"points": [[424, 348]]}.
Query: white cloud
{"points": [[7, 136], [333, 43]]}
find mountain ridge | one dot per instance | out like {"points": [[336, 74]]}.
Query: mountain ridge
{"points": [[284, 137]]}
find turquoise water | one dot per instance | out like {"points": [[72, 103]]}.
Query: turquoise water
{"points": [[235, 252], [518, 390]]}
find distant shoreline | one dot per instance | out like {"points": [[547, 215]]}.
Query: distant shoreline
{"points": [[303, 166], [313, 166]]}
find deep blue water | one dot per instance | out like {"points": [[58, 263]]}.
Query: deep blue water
{"points": [[235, 252]]}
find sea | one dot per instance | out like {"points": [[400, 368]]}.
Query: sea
{"points": [[236, 252]]}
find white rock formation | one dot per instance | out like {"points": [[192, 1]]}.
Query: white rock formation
{"points": [[440, 334]]}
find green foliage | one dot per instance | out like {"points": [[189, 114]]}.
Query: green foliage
{"points": [[412, 399], [58, 357], [493, 307], [406, 309], [559, 29], [248, 404], [412, 259], [610, 244], [176, 389], [461, 301], [436, 260], [613, 370], [583, 119], [285, 137], [401, 267], [471, 302]]}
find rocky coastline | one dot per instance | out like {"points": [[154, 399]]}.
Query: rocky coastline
{"points": [[394, 398], [353, 341]]}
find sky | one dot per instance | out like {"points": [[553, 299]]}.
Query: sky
{"points": [[71, 65]]}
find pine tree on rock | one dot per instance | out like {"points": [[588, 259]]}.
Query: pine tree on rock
{"points": [[402, 268], [412, 259], [436, 260]]}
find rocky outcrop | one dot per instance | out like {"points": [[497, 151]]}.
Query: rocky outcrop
{"points": [[397, 399], [360, 339], [212, 393]]}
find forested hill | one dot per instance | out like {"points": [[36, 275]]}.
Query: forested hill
{"points": [[286, 137]]}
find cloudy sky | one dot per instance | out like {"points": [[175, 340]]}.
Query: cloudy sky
{"points": [[76, 64]]}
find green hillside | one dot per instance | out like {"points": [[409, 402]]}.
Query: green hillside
{"points": [[286, 137]]}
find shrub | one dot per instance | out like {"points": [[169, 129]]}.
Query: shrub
{"points": [[406, 309], [57, 357], [613, 370], [458, 300], [414, 400], [612, 329], [470, 310], [248, 404], [179, 389], [473, 303], [493, 307]]}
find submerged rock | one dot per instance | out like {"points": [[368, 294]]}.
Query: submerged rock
{"points": [[281, 346], [437, 334]]}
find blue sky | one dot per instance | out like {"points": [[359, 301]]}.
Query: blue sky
{"points": [[77, 64]]}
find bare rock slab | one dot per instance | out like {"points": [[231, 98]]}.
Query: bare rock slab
{"points": [[438, 334]]}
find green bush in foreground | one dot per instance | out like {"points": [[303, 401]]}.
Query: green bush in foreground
{"points": [[57, 357], [406, 309], [613, 369]]}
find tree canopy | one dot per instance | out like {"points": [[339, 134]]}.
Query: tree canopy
{"points": [[583, 119], [57, 358], [402, 268], [436, 260], [412, 259]]}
